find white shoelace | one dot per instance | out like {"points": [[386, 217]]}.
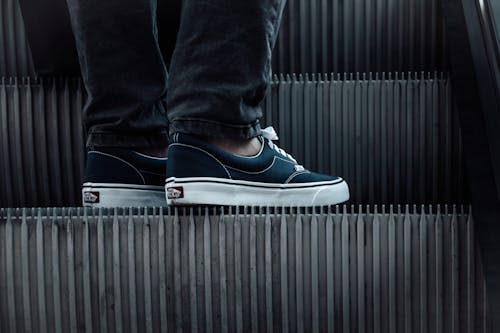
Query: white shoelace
{"points": [[270, 134]]}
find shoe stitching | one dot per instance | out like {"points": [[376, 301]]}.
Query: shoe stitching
{"points": [[256, 172], [262, 147], [90, 186], [252, 183], [226, 167], [295, 174], [151, 157], [266, 169], [133, 167], [206, 152]]}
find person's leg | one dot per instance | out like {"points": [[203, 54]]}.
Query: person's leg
{"points": [[221, 66], [220, 71], [125, 115], [123, 72]]}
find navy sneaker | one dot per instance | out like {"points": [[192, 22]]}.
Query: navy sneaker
{"points": [[200, 173], [117, 177]]}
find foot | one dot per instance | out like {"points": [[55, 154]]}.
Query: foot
{"points": [[117, 177], [201, 173]]}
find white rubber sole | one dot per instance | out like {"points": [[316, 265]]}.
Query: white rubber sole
{"points": [[216, 191], [122, 195]]}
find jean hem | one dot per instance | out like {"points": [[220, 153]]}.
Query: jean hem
{"points": [[113, 139], [214, 129]]}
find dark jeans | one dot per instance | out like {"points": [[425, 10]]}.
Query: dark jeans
{"points": [[218, 76]]}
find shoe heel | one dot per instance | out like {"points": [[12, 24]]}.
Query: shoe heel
{"points": [[100, 196]]}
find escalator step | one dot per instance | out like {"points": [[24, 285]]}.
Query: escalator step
{"points": [[398, 269], [361, 36], [15, 55], [316, 36], [394, 138], [42, 142]]}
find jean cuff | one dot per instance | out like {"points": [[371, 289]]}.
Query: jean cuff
{"points": [[114, 139], [203, 127]]}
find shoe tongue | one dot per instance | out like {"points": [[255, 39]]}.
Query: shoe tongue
{"points": [[269, 133]]}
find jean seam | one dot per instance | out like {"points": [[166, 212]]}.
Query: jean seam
{"points": [[218, 123]]}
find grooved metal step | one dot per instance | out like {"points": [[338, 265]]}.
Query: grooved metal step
{"points": [[394, 138], [361, 36], [316, 36], [42, 142], [369, 269], [15, 55]]}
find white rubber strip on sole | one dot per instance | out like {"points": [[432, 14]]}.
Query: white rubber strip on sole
{"points": [[122, 195], [216, 191]]}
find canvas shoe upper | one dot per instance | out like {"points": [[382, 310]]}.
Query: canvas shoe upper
{"points": [[200, 173]]}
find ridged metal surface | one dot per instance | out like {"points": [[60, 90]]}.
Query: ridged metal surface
{"points": [[42, 142], [369, 269], [15, 56], [316, 36], [338, 36], [395, 139]]}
